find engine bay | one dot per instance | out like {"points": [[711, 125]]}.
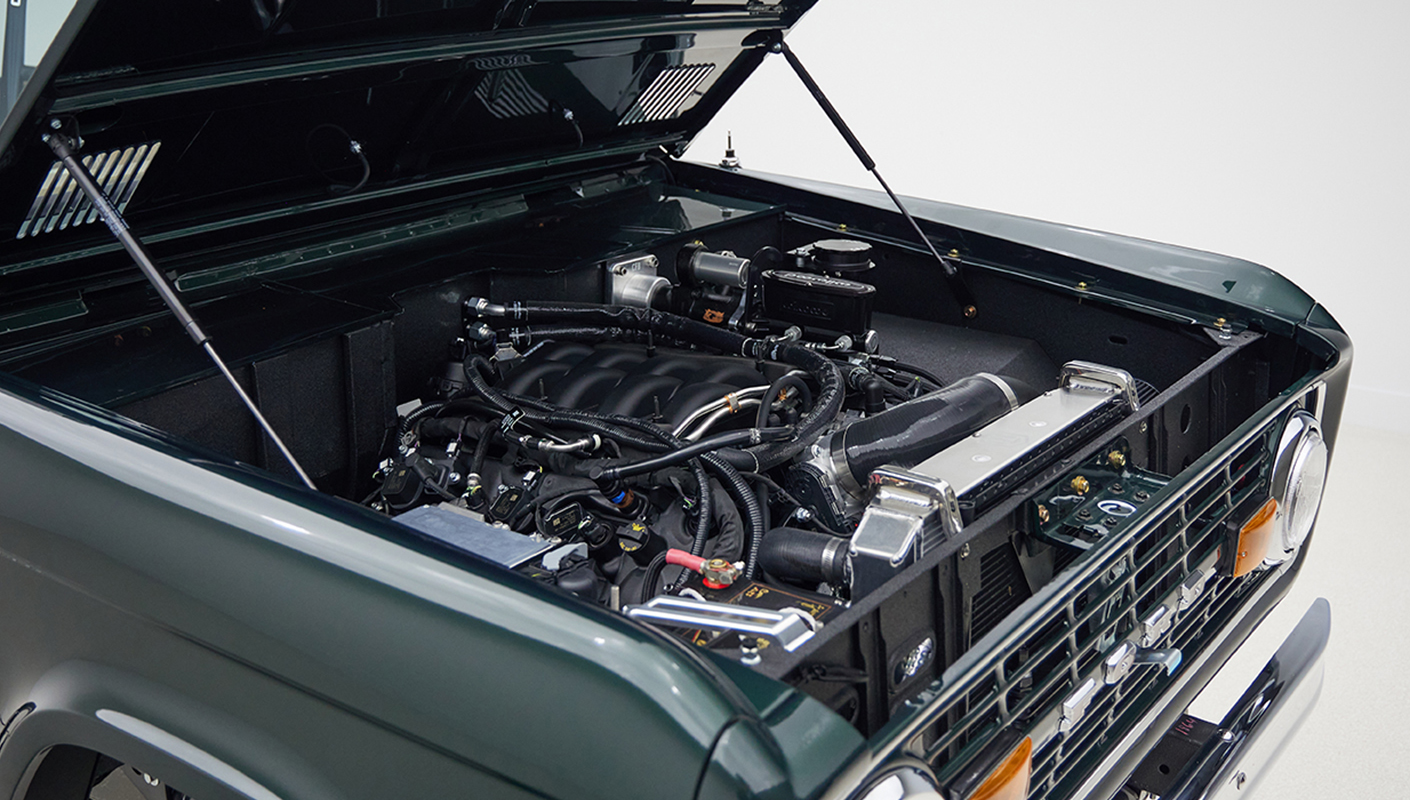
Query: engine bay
{"points": [[604, 448], [773, 436]]}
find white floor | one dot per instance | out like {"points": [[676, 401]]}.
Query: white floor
{"points": [[1352, 744]]}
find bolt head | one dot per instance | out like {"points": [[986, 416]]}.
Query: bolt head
{"points": [[56, 123]]}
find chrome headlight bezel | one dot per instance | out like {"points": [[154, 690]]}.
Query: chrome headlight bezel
{"points": [[904, 782], [1298, 479]]}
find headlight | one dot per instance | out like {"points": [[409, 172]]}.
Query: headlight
{"points": [[906, 783], [1299, 473]]}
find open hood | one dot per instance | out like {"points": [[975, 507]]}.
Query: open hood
{"points": [[204, 115]]}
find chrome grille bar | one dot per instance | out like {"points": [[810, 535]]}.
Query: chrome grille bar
{"points": [[977, 685]]}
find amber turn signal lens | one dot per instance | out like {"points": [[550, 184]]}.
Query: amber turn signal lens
{"points": [[1254, 537], [1009, 780]]}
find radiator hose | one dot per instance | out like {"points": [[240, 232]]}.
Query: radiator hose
{"points": [[804, 556], [911, 432]]}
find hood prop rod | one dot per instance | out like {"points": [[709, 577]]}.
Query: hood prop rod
{"points": [[63, 148], [958, 287]]}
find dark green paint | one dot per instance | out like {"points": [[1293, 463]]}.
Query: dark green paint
{"points": [[1176, 282]]}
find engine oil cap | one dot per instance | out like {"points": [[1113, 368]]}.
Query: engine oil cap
{"points": [[841, 255]]}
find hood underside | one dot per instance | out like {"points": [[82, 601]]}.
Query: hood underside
{"points": [[196, 115]]}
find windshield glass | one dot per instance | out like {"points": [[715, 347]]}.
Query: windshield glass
{"points": [[28, 27]]}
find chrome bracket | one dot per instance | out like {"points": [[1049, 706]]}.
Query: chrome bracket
{"points": [[908, 514], [1169, 658], [1192, 588], [1119, 662], [1084, 376], [790, 627], [635, 282], [1155, 625], [1074, 708]]}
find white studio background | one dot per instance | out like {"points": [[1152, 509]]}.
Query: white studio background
{"points": [[1277, 132]]}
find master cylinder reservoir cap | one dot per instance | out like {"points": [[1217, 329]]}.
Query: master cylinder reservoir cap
{"points": [[841, 255]]}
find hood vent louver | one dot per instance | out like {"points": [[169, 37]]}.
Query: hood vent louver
{"points": [[667, 93], [506, 94], [59, 204]]}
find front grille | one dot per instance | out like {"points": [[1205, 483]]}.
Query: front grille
{"points": [[1002, 589], [1127, 577]]}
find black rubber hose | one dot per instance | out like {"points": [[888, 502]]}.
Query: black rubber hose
{"points": [[683, 453], [447, 428], [913, 431], [625, 323], [761, 493], [791, 379], [421, 412], [733, 481], [704, 507], [917, 371], [653, 574], [744, 496], [482, 450], [804, 556]]}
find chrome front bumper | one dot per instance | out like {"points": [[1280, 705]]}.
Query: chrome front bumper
{"points": [[1253, 733]]}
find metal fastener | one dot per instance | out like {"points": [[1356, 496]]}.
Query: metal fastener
{"points": [[748, 650], [1192, 588], [1080, 485], [964, 550], [1155, 625], [1043, 514], [1119, 662], [1116, 459], [1142, 497], [1110, 522], [1074, 708]]}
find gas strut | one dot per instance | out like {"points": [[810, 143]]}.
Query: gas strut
{"points": [[63, 148], [948, 266]]}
